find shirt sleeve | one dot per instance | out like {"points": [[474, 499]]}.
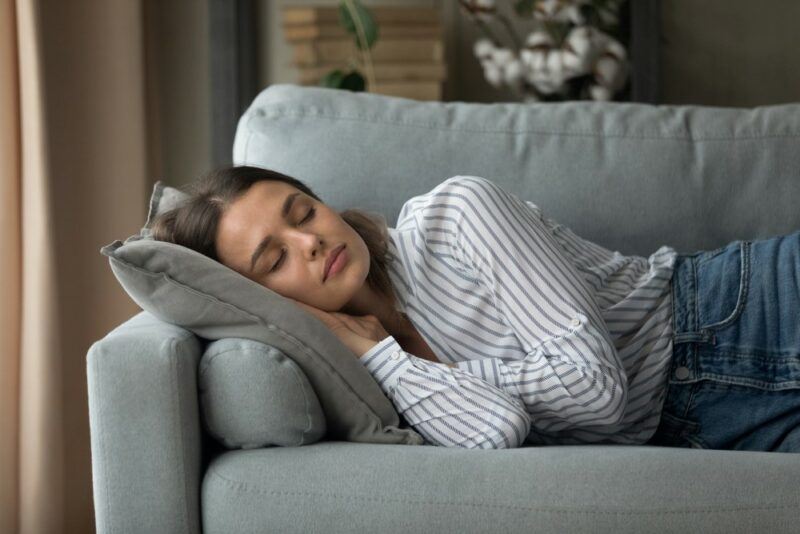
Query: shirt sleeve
{"points": [[448, 407], [571, 374]]}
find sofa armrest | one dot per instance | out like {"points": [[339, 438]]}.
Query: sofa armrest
{"points": [[145, 428]]}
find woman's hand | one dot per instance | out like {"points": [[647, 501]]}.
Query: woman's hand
{"points": [[359, 334]]}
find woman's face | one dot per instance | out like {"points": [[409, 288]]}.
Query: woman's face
{"points": [[293, 263]]}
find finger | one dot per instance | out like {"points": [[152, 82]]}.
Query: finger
{"points": [[361, 322], [348, 320], [361, 326]]}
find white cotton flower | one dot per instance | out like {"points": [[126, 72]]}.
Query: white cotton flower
{"points": [[559, 10], [580, 49], [547, 86], [607, 70], [537, 44], [533, 59], [483, 48], [528, 57], [538, 38], [546, 69], [598, 92], [513, 71], [502, 68], [615, 48], [555, 64], [549, 73], [610, 68], [502, 56], [492, 73]]}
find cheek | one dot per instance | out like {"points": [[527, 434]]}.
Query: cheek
{"points": [[363, 257]]}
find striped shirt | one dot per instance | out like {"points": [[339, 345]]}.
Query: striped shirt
{"points": [[556, 340]]}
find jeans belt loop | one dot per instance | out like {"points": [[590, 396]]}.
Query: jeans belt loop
{"points": [[704, 336]]}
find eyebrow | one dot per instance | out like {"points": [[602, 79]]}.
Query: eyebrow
{"points": [[287, 205]]}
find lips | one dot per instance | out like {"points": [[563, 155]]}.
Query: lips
{"points": [[329, 261]]}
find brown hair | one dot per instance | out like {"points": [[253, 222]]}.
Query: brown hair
{"points": [[193, 223]]}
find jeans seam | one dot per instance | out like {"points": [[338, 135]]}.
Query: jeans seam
{"points": [[694, 439], [718, 381], [705, 256], [744, 288], [696, 297], [689, 401]]}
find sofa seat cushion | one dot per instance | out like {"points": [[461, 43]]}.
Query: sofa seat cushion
{"points": [[333, 486]]}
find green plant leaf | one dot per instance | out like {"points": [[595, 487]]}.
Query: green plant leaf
{"points": [[337, 79], [366, 19], [353, 82], [332, 79]]}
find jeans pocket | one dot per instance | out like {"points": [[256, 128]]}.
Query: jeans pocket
{"points": [[723, 280]]}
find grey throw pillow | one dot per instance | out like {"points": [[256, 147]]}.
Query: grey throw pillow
{"points": [[252, 395], [186, 288]]}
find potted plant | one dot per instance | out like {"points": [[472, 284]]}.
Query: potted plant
{"points": [[359, 22]]}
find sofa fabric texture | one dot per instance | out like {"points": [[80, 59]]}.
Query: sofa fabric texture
{"points": [[629, 176], [253, 395]]}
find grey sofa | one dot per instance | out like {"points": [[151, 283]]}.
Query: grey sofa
{"points": [[629, 176]]}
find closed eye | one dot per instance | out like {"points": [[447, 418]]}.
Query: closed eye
{"points": [[308, 217]]}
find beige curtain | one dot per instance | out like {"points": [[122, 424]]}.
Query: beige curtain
{"points": [[73, 177]]}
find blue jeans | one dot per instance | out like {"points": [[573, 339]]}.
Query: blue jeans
{"points": [[734, 382]]}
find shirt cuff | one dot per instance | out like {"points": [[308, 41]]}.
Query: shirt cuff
{"points": [[387, 362]]}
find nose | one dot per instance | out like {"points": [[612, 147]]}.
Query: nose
{"points": [[307, 242]]}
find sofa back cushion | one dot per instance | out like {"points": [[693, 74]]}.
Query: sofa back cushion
{"points": [[629, 176]]}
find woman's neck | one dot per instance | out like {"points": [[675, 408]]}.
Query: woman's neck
{"points": [[367, 302]]}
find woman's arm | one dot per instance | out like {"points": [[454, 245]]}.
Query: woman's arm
{"points": [[451, 409], [447, 406], [570, 374]]}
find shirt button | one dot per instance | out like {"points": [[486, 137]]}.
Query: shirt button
{"points": [[681, 373], [576, 322], [395, 355]]}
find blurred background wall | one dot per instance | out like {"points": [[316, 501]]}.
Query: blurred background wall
{"points": [[177, 48], [715, 52], [729, 52]]}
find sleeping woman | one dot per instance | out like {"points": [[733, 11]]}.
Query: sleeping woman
{"points": [[490, 325]]}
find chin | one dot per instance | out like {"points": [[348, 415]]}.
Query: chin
{"points": [[353, 282]]}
